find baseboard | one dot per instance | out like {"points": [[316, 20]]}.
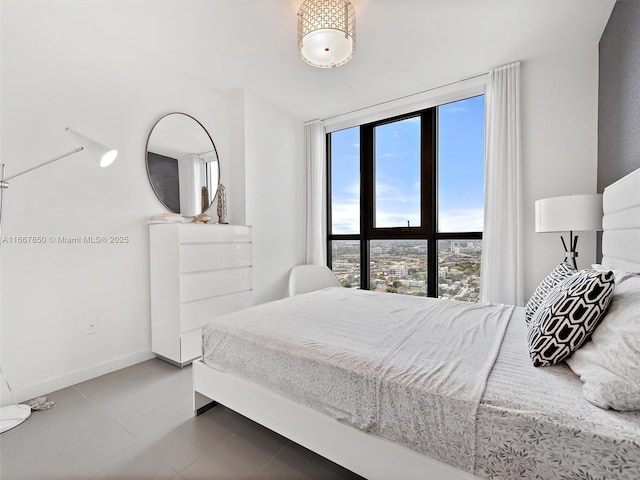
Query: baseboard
{"points": [[42, 388]]}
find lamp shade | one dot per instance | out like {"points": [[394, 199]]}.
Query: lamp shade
{"points": [[103, 154], [571, 213], [326, 32]]}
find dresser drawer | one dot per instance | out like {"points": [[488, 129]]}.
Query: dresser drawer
{"points": [[213, 233], [197, 257], [214, 283], [196, 314], [198, 272]]}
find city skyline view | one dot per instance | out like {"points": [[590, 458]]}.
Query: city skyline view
{"points": [[400, 265]]}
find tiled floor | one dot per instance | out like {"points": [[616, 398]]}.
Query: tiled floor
{"points": [[138, 423]]}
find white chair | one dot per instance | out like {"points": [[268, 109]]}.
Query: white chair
{"points": [[307, 278]]}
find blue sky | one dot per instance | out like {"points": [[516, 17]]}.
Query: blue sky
{"points": [[460, 168]]}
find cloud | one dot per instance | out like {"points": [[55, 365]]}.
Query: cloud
{"points": [[392, 155], [454, 108], [345, 217], [394, 190], [396, 219], [345, 158], [461, 220], [352, 192]]}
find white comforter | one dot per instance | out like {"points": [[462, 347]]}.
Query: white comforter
{"points": [[409, 369]]}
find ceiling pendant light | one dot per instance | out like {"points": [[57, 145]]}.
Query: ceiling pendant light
{"points": [[326, 32]]}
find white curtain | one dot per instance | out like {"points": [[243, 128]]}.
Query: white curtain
{"points": [[502, 259], [315, 211]]}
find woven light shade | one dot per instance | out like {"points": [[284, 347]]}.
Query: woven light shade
{"points": [[326, 32]]}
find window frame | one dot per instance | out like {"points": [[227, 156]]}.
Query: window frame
{"points": [[428, 230]]}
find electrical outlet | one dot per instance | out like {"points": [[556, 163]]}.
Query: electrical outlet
{"points": [[92, 325]]}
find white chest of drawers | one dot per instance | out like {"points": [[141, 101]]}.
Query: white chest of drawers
{"points": [[198, 272]]}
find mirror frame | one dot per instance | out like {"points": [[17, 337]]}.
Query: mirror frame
{"points": [[146, 159]]}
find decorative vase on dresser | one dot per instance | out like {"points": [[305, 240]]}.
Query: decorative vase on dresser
{"points": [[198, 272]]}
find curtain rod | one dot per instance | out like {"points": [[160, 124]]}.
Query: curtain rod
{"points": [[396, 99]]}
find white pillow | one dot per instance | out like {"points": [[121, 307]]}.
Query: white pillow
{"points": [[621, 275], [609, 365]]}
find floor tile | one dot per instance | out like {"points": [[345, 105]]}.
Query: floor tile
{"points": [[138, 424], [69, 405], [121, 383], [142, 465], [223, 416], [130, 376], [344, 474], [197, 436], [217, 466], [155, 424], [20, 456], [239, 457], [146, 397], [257, 442], [88, 459], [296, 462]]}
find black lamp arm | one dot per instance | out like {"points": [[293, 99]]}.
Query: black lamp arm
{"points": [[572, 254]]}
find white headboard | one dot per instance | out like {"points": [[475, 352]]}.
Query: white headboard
{"points": [[621, 224]]}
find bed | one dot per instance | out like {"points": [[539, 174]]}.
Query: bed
{"points": [[358, 390]]}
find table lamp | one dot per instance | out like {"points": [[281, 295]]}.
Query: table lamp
{"points": [[570, 213]]}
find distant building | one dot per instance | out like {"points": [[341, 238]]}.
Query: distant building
{"points": [[465, 247], [398, 271], [345, 246]]}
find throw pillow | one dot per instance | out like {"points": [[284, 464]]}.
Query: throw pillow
{"points": [[557, 275], [569, 314]]}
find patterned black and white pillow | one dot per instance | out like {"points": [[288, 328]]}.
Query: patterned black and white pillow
{"points": [[557, 275], [568, 316]]}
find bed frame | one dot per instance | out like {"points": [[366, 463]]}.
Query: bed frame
{"points": [[368, 455], [621, 224]]}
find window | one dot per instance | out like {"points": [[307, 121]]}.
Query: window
{"points": [[406, 202]]}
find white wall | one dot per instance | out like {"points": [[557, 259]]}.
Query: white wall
{"points": [[103, 89], [236, 176], [109, 92], [559, 130], [274, 169]]}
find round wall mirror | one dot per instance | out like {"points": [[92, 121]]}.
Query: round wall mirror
{"points": [[182, 164]]}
